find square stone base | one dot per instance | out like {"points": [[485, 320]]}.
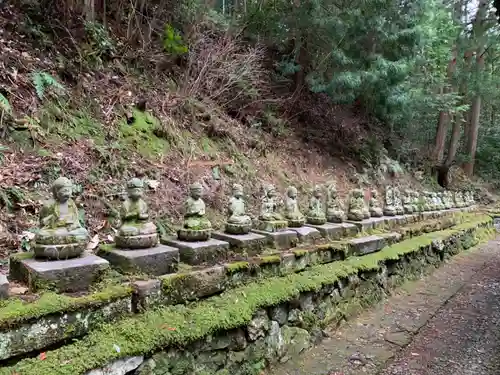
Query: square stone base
{"points": [[369, 224], [285, 239], [250, 243], [335, 231], [210, 252], [307, 235], [71, 275], [155, 261], [366, 245]]}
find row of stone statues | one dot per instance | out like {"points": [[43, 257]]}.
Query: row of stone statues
{"points": [[61, 234]]}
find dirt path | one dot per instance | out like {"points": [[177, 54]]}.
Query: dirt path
{"points": [[447, 323]]}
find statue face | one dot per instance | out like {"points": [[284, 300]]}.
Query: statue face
{"points": [[271, 193], [63, 193], [238, 193], [292, 193], [135, 193], [196, 193], [317, 193]]}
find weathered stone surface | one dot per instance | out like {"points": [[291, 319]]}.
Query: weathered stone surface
{"points": [[194, 253], [366, 245], [368, 224], [119, 367], [250, 243], [72, 275], [193, 285], [308, 235], [258, 326], [275, 343], [155, 261], [52, 329], [285, 239], [271, 225], [147, 293], [4, 287], [335, 231], [279, 314], [296, 340]]}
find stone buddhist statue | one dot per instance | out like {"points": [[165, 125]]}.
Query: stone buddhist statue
{"points": [[238, 222], [357, 208], [375, 209], [334, 208], [428, 205], [61, 235], [270, 220], [389, 207], [136, 230], [415, 201], [292, 212], [196, 226], [407, 202], [398, 202], [316, 214]]}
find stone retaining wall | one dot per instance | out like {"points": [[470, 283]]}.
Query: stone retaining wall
{"points": [[242, 331]]}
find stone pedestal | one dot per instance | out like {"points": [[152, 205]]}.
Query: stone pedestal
{"points": [[250, 243], [307, 235], [334, 231], [271, 226], [282, 240], [368, 224], [210, 251], [155, 261], [72, 275], [366, 245]]}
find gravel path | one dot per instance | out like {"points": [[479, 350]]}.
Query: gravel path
{"points": [[448, 323]]}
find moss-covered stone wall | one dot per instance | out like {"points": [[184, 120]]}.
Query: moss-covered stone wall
{"points": [[244, 329]]}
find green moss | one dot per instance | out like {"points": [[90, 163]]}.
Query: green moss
{"points": [[187, 323], [270, 259], [237, 267], [299, 253], [15, 310], [22, 256], [106, 247], [169, 282]]}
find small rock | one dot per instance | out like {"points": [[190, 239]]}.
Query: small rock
{"points": [[306, 302], [258, 326], [119, 367], [279, 313]]}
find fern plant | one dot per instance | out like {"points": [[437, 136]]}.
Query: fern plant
{"points": [[172, 41], [4, 104], [43, 81]]}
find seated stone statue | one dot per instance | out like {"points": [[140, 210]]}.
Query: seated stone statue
{"points": [[375, 209], [407, 202], [334, 208], [316, 214], [136, 230], [446, 200], [415, 202], [61, 235], [292, 211], [270, 219], [389, 207], [398, 202], [357, 208], [428, 205], [196, 226], [238, 222]]}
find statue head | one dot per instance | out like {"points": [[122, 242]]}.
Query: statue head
{"points": [[317, 191], [271, 191], [332, 190], [357, 193], [195, 190], [237, 191], [291, 192], [374, 194], [62, 189], [135, 188]]}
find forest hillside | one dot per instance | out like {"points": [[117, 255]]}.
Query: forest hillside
{"points": [[366, 93]]}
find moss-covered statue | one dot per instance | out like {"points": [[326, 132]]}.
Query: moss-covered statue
{"points": [[428, 204], [446, 200], [416, 202], [375, 209], [398, 202], [292, 212], [61, 235], [196, 226], [407, 202], [389, 207], [316, 214], [270, 219], [136, 230], [334, 208], [357, 208], [238, 222]]}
